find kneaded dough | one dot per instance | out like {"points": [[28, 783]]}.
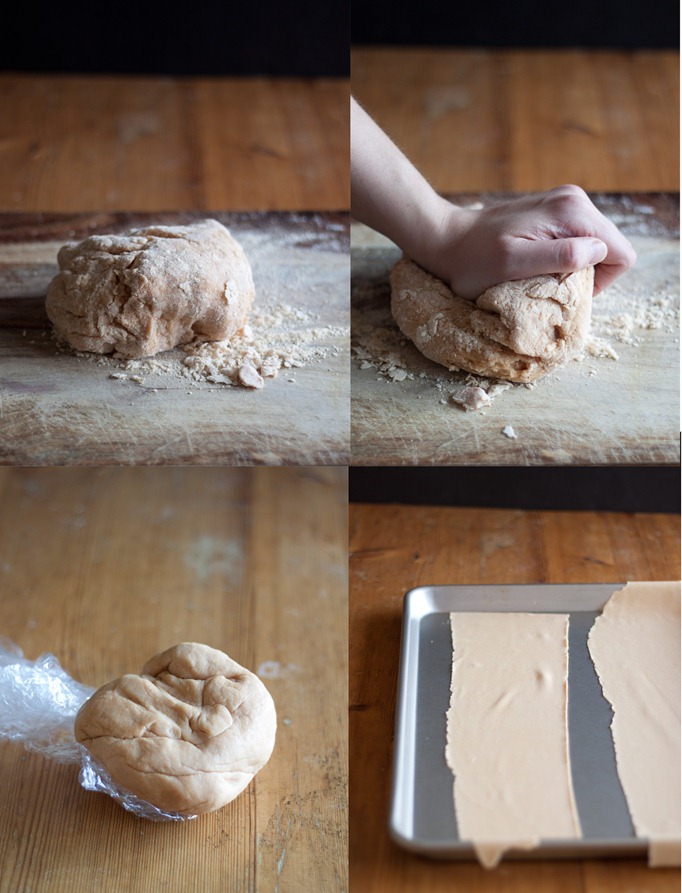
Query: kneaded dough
{"points": [[635, 647], [518, 330], [145, 291], [507, 731], [187, 735]]}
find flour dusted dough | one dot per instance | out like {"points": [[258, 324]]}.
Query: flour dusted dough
{"points": [[187, 735], [517, 330], [507, 731], [148, 290], [635, 647]]}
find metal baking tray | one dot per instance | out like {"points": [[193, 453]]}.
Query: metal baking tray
{"points": [[422, 813]]}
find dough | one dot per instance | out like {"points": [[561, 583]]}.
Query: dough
{"points": [[635, 648], [517, 330], [187, 735], [148, 290], [507, 731]]}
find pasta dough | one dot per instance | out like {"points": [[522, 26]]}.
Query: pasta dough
{"points": [[145, 291], [187, 735], [507, 735], [517, 330], [635, 647]]}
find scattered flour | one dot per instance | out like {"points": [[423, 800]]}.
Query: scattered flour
{"points": [[277, 337], [645, 299], [379, 344]]}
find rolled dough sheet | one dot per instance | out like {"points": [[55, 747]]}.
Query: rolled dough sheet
{"points": [[635, 647], [507, 731]]}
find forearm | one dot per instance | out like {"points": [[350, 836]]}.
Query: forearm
{"points": [[559, 231], [389, 194]]}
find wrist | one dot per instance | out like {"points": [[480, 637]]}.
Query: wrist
{"points": [[440, 239]]}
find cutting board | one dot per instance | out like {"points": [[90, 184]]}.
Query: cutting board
{"points": [[57, 408], [599, 411]]}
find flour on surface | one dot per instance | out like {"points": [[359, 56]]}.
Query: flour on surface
{"points": [[643, 301], [278, 337]]}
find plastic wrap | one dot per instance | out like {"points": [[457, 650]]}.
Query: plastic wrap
{"points": [[38, 705]]}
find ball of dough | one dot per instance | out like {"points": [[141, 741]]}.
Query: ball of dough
{"points": [[187, 735], [148, 290], [517, 330]]}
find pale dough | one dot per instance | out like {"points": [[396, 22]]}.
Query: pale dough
{"points": [[145, 291], [517, 330], [635, 647], [507, 732], [187, 735]]}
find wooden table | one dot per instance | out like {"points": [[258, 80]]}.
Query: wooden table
{"points": [[106, 567], [394, 548], [96, 143], [524, 120], [482, 125], [155, 149]]}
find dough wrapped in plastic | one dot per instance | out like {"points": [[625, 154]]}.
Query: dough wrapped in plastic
{"points": [[190, 732]]}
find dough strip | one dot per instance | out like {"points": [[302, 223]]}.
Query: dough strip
{"points": [[507, 731]]}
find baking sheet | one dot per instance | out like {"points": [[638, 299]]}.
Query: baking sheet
{"points": [[422, 814]]}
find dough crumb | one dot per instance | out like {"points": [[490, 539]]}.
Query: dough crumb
{"points": [[249, 377], [471, 398], [280, 336], [509, 432]]}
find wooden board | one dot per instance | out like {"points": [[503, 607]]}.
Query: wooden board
{"points": [[132, 561], [599, 411], [490, 119], [394, 548], [95, 142], [59, 409]]}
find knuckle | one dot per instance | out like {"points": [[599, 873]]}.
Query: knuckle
{"points": [[569, 199], [570, 189]]}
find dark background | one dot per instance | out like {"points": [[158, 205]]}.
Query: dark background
{"points": [[570, 488], [305, 38], [525, 23]]}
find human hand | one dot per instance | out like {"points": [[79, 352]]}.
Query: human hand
{"points": [[559, 231]]}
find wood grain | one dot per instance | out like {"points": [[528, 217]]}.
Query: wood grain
{"points": [[105, 567], [95, 143], [57, 408], [595, 412], [394, 548], [526, 120]]}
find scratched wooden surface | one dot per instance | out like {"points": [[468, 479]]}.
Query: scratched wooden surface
{"points": [[600, 411], [57, 408], [394, 548], [106, 567], [489, 120], [102, 142]]}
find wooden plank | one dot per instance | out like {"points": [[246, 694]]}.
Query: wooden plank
{"points": [[132, 561], [57, 408], [394, 548], [524, 120], [100, 142], [599, 411]]}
